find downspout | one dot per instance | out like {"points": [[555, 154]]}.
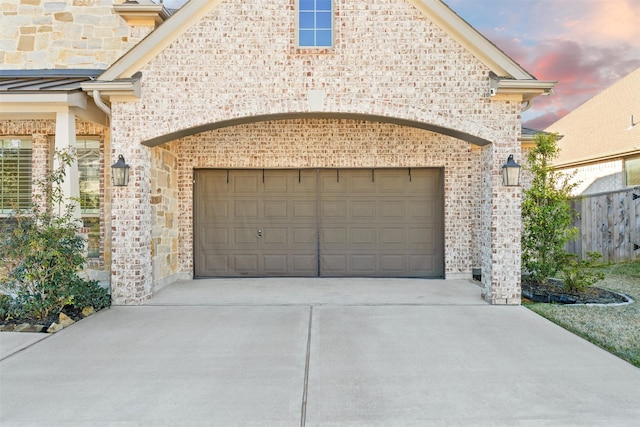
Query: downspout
{"points": [[107, 216], [525, 106], [100, 103]]}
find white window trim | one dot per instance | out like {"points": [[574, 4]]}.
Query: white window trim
{"points": [[333, 28]]}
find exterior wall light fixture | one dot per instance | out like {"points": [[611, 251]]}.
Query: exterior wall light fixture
{"points": [[511, 173], [120, 172]]}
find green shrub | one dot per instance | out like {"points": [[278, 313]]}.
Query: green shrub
{"points": [[89, 294], [578, 274], [546, 213], [42, 253]]}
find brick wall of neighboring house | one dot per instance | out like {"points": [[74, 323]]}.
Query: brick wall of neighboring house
{"points": [[42, 133], [39, 34], [597, 178], [389, 60]]}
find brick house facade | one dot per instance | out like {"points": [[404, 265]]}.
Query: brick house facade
{"points": [[225, 86]]}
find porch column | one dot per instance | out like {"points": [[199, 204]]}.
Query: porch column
{"points": [[501, 225], [65, 138], [131, 268]]}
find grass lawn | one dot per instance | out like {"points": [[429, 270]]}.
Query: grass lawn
{"points": [[615, 329]]}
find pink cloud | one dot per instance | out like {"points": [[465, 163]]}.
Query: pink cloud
{"points": [[585, 45]]}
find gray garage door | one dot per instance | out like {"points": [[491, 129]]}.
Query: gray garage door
{"points": [[326, 222]]}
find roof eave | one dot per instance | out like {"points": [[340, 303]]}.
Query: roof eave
{"points": [[141, 13], [123, 88]]}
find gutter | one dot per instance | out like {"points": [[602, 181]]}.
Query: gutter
{"points": [[100, 103]]}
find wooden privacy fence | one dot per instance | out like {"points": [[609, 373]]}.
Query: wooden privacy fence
{"points": [[609, 223]]}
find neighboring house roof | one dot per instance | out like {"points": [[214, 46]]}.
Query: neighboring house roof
{"points": [[601, 128], [528, 134], [509, 77]]}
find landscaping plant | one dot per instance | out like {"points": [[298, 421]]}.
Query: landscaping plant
{"points": [[547, 216], [41, 254]]}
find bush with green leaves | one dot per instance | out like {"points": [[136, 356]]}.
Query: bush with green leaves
{"points": [[42, 253], [578, 274], [547, 215]]}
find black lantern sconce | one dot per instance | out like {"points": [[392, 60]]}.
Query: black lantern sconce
{"points": [[120, 172], [511, 173]]}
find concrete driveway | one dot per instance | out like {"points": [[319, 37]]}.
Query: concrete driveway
{"points": [[315, 352]]}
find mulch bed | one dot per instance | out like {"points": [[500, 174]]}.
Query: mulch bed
{"points": [[554, 292], [71, 311]]}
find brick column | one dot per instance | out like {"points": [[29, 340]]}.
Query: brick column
{"points": [[501, 220], [131, 269]]}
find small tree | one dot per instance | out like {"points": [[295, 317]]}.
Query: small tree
{"points": [[546, 213], [42, 253]]}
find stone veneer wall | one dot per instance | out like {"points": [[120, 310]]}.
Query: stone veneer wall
{"points": [[164, 202], [42, 133], [43, 34], [240, 61], [335, 143]]}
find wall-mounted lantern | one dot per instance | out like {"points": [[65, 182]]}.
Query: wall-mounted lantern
{"points": [[511, 173], [120, 172]]}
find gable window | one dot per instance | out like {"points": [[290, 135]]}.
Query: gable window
{"points": [[15, 174], [315, 23], [632, 172], [88, 152]]}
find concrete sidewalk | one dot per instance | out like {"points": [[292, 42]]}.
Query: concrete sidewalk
{"points": [[331, 352]]}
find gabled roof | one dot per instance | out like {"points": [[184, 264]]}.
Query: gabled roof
{"points": [[605, 127], [438, 12]]}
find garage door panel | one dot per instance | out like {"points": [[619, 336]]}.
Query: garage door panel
{"points": [[334, 209], [244, 182], [361, 182], [363, 264], [245, 236], [217, 210], [389, 229], [215, 263], [392, 236], [392, 209], [392, 182], [363, 236], [331, 182], [393, 264], [333, 236], [364, 210], [275, 236], [386, 222], [421, 236], [333, 265], [218, 237], [275, 182], [305, 264], [245, 263], [245, 209], [275, 209], [304, 210], [305, 236], [275, 264]]}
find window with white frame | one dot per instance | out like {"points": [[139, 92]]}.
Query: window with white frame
{"points": [[88, 153], [315, 23], [15, 174], [632, 172]]}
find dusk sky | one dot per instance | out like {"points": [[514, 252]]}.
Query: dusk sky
{"points": [[586, 45]]}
